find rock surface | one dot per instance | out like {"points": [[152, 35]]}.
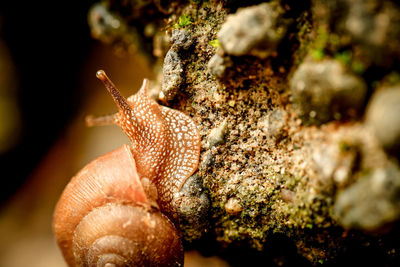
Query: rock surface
{"points": [[255, 30], [372, 202], [172, 75], [274, 71], [323, 91], [383, 116]]}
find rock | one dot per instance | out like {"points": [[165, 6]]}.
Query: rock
{"points": [[192, 205], [288, 195], [334, 164], [218, 65], [372, 202], [255, 30], [181, 39], [173, 65], [217, 134], [277, 121], [233, 207], [323, 91], [383, 117], [172, 75]]}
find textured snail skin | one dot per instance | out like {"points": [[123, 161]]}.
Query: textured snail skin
{"points": [[104, 215], [165, 142], [118, 210]]}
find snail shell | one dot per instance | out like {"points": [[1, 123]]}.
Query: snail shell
{"points": [[120, 210], [105, 218]]}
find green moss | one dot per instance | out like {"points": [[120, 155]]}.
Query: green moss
{"points": [[358, 66], [317, 54], [344, 57], [347, 59], [318, 50], [215, 43], [183, 21]]}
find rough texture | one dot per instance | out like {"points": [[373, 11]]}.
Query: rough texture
{"points": [[165, 142], [193, 207], [173, 67], [253, 31], [293, 96], [217, 134], [172, 75]]}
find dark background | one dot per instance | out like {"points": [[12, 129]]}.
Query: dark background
{"points": [[48, 42]]}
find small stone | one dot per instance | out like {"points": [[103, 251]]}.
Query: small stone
{"points": [[172, 75], [288, 195], [217, 135], [276, 123], [333, 165], [181, 39], [255, 30], [323, 91], [218, 65], [233, 207], [192, 205], [383, 117], [372, 202], [208, 160]]}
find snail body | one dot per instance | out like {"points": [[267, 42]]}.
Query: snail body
{"points": [[118, 210]]}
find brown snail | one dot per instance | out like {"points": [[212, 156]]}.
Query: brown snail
{"points": [[118, 210]]}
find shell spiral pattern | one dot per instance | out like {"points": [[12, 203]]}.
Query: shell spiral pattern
{"points": [[117, 210]]}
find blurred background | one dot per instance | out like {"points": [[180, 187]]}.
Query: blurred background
{"points": [[48, 62]]}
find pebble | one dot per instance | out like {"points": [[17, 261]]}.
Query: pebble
{"points": [[217, 134], [181, 39], [192, 205], [383, 117], [372, 202], [324, 91], [173, 65], [172, 75], [232, 206], [255, 30], [218, 65]]}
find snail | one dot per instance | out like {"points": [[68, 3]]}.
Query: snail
{"points": [[118, 210]]}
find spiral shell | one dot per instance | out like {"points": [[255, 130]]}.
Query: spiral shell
{"points": [[104, 218]]}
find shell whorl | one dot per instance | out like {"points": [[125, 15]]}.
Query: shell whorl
{"points": [[134, 237], [109, 214], [108, 184]]}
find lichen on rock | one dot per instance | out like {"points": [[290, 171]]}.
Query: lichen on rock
{"points": [[278, 93]]}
